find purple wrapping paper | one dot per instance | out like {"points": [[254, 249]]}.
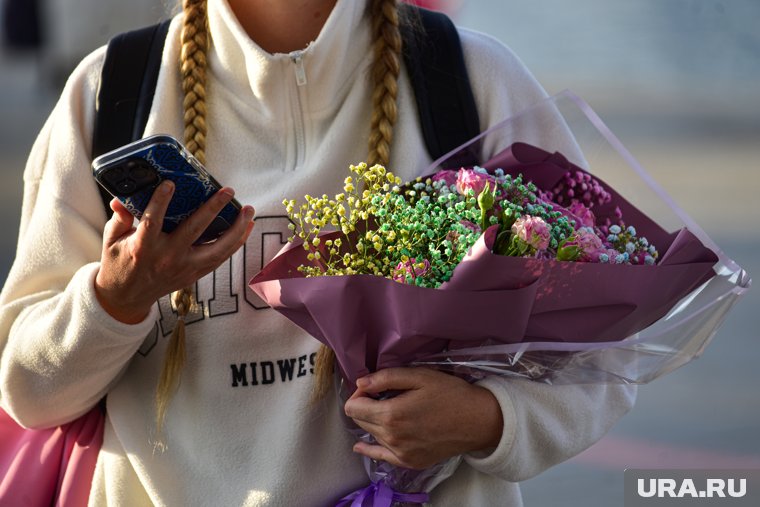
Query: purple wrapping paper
{"points": [[373, 323]]}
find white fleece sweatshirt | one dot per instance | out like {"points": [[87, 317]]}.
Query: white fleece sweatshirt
{"points": [[240, 430]]}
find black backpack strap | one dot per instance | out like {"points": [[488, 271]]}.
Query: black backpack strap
{"points": [[126, 89], [435, 62]]}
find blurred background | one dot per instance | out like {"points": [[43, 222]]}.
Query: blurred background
{"points": [[678, 81]]}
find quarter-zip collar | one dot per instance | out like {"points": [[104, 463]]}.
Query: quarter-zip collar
{"points": [[325, 64]]}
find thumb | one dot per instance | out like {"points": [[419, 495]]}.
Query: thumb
{"points": [[120, 223]]}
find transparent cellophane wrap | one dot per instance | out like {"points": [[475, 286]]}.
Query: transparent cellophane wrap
{"points": [[566, 124]]}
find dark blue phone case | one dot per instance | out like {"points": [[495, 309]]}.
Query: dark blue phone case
{"points": [[166, 159]]}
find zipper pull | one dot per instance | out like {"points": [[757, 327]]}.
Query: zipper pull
{"points": [[297, 57]]}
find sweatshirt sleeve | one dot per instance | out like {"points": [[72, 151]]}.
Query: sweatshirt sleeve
{"points": [[547, 424], [505, 89], [543, 424], [502, 85], [60, 350]]}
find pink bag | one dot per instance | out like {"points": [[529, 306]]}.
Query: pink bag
{"points": [[52, 466]]}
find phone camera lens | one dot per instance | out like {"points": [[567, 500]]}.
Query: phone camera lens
{"points": [[141, 173], [127, 186]]}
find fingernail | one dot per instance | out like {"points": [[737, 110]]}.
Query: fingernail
{"points": [[248, 213], [228, 192], [166, 186], [363, 382]]}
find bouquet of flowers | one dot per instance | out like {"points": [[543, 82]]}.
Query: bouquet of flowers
{"points": [[529, 265]]}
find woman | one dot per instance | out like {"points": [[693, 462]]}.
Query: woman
{"points": [[282, 100]]}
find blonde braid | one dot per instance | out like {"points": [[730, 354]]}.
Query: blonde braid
{"points": [[385, 72], [195, 42]]}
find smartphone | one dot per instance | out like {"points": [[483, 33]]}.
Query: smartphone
{"points": [[131, 174]]}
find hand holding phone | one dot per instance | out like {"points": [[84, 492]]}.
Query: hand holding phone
{"points": [[133, 172], [157, 181]]}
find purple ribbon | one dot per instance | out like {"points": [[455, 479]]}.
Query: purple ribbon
{"points": [[379, 494]]}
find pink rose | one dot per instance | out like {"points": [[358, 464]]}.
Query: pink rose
{"points": [[470, 179], [589, 244], [533, 231], [583, 215]]}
